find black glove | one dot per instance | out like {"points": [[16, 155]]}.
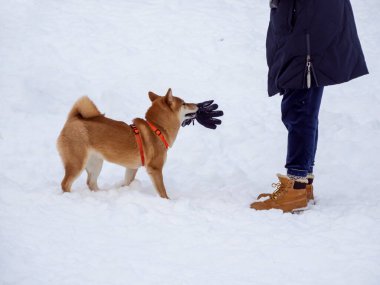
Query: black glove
{"points": [[207, 111], [273, 4]]}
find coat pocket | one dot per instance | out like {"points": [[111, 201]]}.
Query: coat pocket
{"points": [[283, 17]]}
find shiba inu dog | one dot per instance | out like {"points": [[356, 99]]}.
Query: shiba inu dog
{"points": [[88, 138]]}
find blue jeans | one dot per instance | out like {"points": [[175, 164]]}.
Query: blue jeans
{"points": [[300, 110]]}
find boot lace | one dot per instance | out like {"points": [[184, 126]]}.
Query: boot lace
{"points": [[278, 191]]}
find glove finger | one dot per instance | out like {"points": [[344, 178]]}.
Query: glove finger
{"points": [[211, 121], [210, 108], [205, 104], [210, 126], [207, 118], [206, 124], [186, 122], [218, 113], [215, 121]]}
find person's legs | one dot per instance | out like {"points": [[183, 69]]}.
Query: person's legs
{"points": [[300, 110], [315, 151]]}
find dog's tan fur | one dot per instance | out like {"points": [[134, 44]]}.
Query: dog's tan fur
{"points": [[88, 138]]}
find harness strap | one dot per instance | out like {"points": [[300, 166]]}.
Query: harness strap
{"points": [[159, 134], [139, 140], [139, 143]]}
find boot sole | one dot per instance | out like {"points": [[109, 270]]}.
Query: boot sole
{"points": [[300, 210]]}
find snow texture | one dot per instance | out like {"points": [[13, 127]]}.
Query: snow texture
{"points": [[53, 52]]}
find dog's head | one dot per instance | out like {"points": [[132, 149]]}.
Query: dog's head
{"points": [[169, 109]]}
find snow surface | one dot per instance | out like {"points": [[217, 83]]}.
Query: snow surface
{"points": [[53, 52]]}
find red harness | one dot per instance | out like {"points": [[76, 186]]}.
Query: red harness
{"points": [[156, 130]]}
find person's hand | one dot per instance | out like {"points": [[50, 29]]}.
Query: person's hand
{"points": [[206, 115]]}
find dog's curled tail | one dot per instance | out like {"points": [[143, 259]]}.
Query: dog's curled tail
{"points": [[85, 108]]}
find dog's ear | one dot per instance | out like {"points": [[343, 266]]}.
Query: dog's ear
{"points": [[153, 96], [169, 97]]}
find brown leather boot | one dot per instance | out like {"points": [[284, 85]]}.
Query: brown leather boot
{"points": [[289, 196], [310, 188]]}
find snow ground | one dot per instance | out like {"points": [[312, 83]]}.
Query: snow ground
{"points": [[52, 52]]}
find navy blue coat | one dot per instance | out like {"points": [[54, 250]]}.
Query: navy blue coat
{"points": [[312, 43]]}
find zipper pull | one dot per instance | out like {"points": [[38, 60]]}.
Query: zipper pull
{"points": [[308, 75], [308, 71]]}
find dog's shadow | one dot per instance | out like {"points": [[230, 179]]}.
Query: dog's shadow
{"points": [[136, 186]]}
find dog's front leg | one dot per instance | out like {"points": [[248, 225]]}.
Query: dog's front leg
{"points": [[158, 181], [130, 175]]}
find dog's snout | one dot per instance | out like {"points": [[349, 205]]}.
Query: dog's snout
{"points": [[194, 107]]}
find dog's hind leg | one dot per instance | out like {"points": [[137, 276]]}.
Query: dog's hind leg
{"points": [[130, 175], [72, 171], [74, 159], [93, 168]]}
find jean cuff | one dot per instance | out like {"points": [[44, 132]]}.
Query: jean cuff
{"points": [[297, 172]]}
